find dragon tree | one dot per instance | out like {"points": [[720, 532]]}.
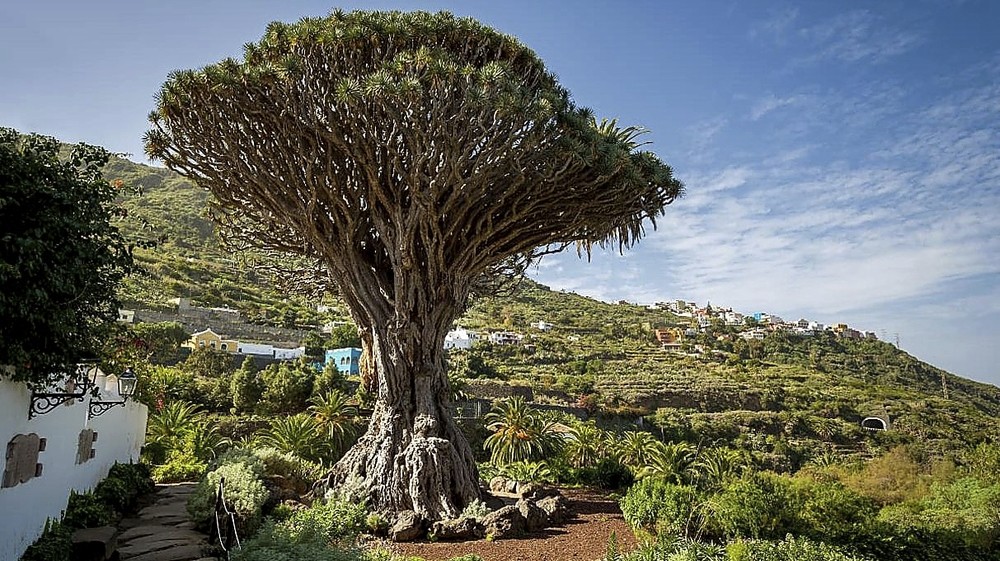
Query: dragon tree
{"points": [[407, 156]]}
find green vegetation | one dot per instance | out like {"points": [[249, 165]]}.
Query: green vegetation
{"points": [[43, 203]]}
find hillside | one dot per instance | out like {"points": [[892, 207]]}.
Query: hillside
{"points": [[786, 396]]}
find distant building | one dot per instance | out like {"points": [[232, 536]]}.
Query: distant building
{"points": [[211, 340], [543, 325], [505, 338], [347, 359], [461, 339], [126, 316]]}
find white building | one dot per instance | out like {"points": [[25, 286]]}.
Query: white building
{"points": [[505, 338], [460, 339], [543, 325]]}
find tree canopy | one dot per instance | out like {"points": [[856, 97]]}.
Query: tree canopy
{"points": [[61, 255]]}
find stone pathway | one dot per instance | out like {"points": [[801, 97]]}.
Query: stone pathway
{"points": [[162, 531]]}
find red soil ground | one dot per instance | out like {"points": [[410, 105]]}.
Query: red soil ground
{"points": [[582, 538]]}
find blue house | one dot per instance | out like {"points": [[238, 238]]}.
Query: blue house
{"points": [[347, 359]]}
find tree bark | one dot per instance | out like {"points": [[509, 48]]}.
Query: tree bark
{"points": [[413, 455]]}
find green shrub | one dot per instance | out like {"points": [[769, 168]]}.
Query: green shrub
{"points": [[656, 505], [791, 549], [55, 544], [329, 521], [609, 474], [758, 505], [273, 544], [244, 491], [86, 511], [180, 467]]}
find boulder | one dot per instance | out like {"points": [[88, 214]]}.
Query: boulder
{"points": [[535, 518], [556, 507], [408, 527], [498, 484], [457, 529], [504, 523], [95, 544], [527, 488]]}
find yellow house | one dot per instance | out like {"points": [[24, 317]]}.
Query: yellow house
{"points": [[211, 340]]}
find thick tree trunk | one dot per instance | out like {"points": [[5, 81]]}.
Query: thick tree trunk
{"points": [[413, 456]]}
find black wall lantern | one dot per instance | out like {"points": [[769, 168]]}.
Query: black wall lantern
{"points": [[126, 389], [77, 386]]}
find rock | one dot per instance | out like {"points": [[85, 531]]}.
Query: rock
{"points": [[457, 529], [95, 544], [535, 518], [294, 505], [493, 502], [498, 484], [179, 553], [504, 523], [556, 507], [526, 488], [408, 527]]}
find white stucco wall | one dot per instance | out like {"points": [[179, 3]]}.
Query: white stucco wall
{"points": [[24, 508]]}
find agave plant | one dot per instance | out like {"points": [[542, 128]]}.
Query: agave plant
{"points": [[519, 433]]}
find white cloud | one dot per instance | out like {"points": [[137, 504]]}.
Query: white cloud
{"points": [[770, 103]]}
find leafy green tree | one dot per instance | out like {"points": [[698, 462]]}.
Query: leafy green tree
{"points": [[62, 256], [208, 363], [413, 117], [246, 386], [330, 379], [287, 386]]}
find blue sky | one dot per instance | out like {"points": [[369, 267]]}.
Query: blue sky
{"points": [[842, 159]]}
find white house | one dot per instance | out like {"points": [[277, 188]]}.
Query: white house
{"points": [[754, 334], [126, 316], [543, 325], [459, 339], [505, 338]]}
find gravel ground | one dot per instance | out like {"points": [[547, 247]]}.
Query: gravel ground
{"points": [[582, 538]]}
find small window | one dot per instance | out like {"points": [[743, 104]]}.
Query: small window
{"points": [[225, 346]]}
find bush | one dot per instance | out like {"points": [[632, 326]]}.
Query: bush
{"points": [[791, 549], [245, 494], [656, 505], [180, 467], [55, 544], [609, 474], [86, 511], [759, 505], [121, 489], [273, 544], [329, 521]]}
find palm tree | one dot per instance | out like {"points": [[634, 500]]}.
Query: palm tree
{"points": [[669, 461], [300, 435], [337, 416], [715, 466], [176, 419], [519, 433], [635, 447], [586, 446]]}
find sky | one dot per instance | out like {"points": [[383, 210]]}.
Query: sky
{"points": [[841, 159]]}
